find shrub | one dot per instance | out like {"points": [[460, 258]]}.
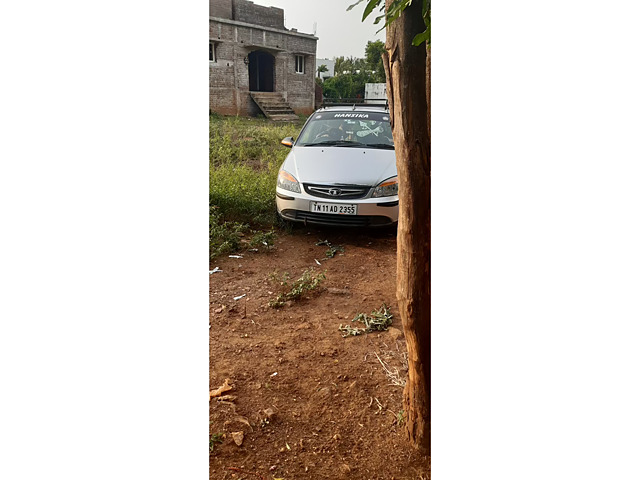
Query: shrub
{"points": [[244, 157]]}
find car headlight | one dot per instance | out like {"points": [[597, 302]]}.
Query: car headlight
{"points": [[388, 188], [288, 182]]}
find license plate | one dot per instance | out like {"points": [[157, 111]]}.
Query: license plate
{"points": [[335, 208]]}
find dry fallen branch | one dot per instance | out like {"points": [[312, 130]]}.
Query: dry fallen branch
{"points": [[227, 398], [394, 376]]}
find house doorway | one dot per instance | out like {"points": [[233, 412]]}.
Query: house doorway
{"points": [[261, 71]]}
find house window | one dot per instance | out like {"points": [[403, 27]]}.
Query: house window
{"points": [[299, 63], [212, 52]]}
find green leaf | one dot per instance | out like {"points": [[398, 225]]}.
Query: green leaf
{"points": [[426, 10], [355, 4], [422, 37], [394, 11], [369, 8]]}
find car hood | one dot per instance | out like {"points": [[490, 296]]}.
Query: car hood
{"points": [[341, 165]]}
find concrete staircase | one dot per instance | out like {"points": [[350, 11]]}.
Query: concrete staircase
{"points": [[274, 106]]}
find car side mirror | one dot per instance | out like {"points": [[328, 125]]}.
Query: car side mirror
{"points": [[287, 142]]}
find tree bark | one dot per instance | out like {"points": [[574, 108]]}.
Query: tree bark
{"points": [[429, 100], [407, 85]]}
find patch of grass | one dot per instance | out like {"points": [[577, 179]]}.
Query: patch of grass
{"points": [[224, 237], [293, 291], [244, 157], [227, 237], [263, 239], [400, 417], [254, 141], [244, 195], [214, 439], [379, 321]]}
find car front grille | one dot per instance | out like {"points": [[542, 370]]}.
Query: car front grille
{"points": [[342, 220], [343, 192]]}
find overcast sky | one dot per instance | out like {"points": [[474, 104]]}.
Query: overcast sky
{"points": [[340, 33]]}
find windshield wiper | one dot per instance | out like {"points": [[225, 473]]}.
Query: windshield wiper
{"points": [[333, 143], [381, 145]]}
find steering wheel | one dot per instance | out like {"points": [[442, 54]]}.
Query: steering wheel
{"points": [[334, 133]]}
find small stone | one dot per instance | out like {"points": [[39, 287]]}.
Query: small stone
{"points": [[269, 413], [238, 437], [395, 333], [338, 291]]}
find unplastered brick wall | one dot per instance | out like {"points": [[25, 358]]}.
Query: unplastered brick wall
{"points": [[224, 54], [301, 86], [282, 59], [222, 72], [275, 40], [244, 35], [221, 8], [229, 74], [222, 96], [248, 12], [298, 44]]}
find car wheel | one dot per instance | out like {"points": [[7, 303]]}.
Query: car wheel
{"points": [[281, 222]]}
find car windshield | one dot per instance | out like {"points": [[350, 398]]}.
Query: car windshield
{"points": [[348, 129]]}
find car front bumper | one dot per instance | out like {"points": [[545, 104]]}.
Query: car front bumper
{"points": [[371, 211]]}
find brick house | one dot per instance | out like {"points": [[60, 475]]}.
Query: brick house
{"points": [[256, 64]]}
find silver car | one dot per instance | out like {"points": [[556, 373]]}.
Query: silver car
{"points": [[341, 170]]}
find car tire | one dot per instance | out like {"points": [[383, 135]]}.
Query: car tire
{"points": [[281, 222]]}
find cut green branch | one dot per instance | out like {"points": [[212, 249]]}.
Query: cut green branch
{"points": [[296, 290], [380, 320]]}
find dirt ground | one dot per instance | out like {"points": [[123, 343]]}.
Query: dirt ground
{"points": [[309, 403]]}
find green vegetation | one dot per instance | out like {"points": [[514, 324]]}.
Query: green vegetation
{"points": [[244, 157], [400, 418], [213, 439], [379, 321], [332, 250], [392, 11], [294, 290], [351, 74]]}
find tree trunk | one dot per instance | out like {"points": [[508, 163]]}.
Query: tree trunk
{"points": [[406, 70], [429, 106]]}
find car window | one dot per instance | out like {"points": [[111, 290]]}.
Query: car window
{"points": [[370, 129]]}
